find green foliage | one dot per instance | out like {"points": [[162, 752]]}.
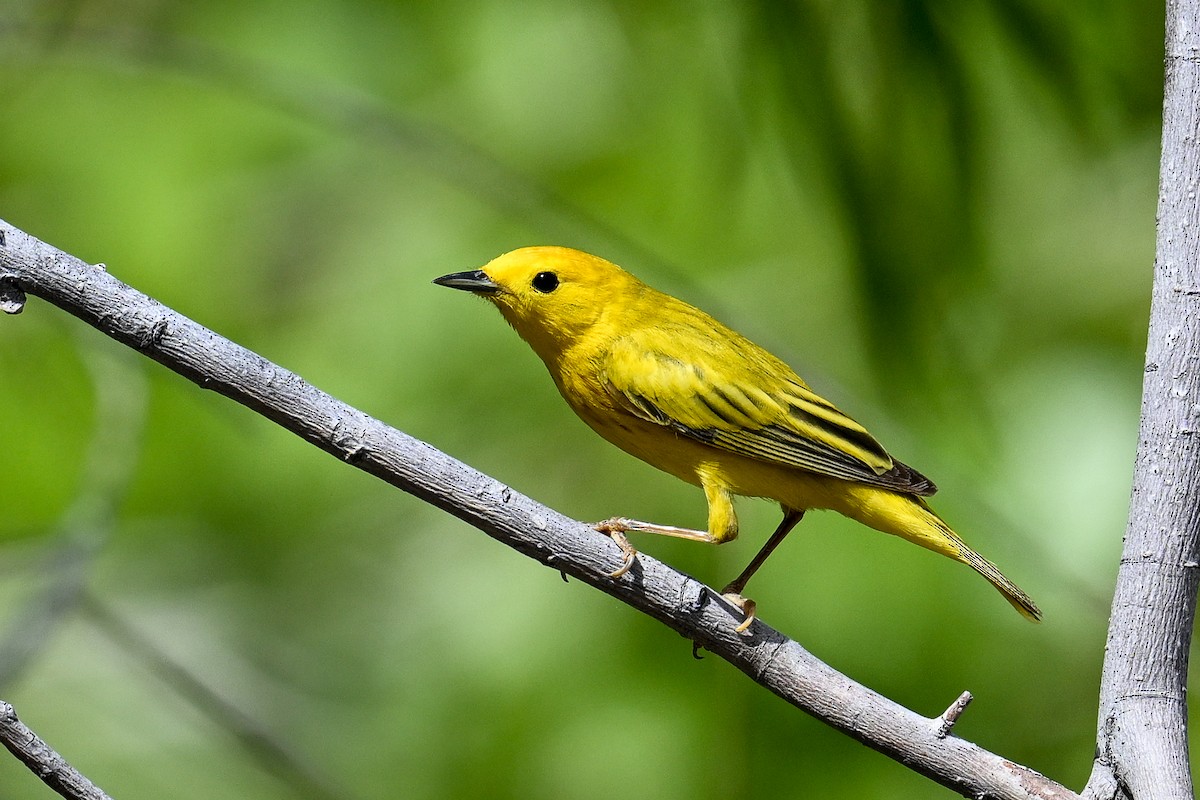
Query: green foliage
{"points": [[941, 214]]}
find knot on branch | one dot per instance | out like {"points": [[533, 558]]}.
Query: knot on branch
{"points": [[12, 298], [153, 335], [350, 444]]}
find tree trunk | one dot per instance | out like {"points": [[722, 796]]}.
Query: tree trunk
{"points": [[1142, 750]]}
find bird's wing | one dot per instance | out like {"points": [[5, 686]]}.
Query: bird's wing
{"points": [[747, 402]]}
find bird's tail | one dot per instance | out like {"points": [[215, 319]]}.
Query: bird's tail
{"points": [[1012, 593], [911, 518]]}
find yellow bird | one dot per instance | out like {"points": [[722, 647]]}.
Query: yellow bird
{"points": [[669, 384]]}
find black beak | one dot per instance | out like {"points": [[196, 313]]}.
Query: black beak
{"points": [[471, 281]]}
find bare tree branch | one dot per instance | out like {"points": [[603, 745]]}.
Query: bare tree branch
{"points": [[42, 760], [687, 606], [1142, 741]]}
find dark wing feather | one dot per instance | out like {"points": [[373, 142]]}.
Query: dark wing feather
{"points": [[757, 408]]}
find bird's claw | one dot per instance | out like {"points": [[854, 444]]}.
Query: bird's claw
{"points": [[746, 606], [615, 529], [627, 550]]}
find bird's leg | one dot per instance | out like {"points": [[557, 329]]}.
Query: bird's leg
{"points": [[623, 524], [722, 523], [733, 592], [789, 521], [616, 527]]}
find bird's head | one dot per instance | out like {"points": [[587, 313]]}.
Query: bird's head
{"points": [[552, 296]]}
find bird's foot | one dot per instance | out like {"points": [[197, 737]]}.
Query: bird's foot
{"points": [[744, 604], [615, 529], [616, 525]]}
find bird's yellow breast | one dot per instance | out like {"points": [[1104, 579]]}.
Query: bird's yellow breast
{"points": [[580, 377]]}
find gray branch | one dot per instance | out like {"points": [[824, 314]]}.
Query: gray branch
{"points": [[48, 765], [779, 664], [1142, 749]]}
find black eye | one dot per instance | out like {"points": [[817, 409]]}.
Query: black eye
{"points": [[545, 282]]}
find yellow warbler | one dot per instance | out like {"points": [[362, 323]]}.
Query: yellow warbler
{"points": [[669, 384]]}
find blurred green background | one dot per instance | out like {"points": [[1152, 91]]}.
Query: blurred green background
{"points": [[942, 214]]}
